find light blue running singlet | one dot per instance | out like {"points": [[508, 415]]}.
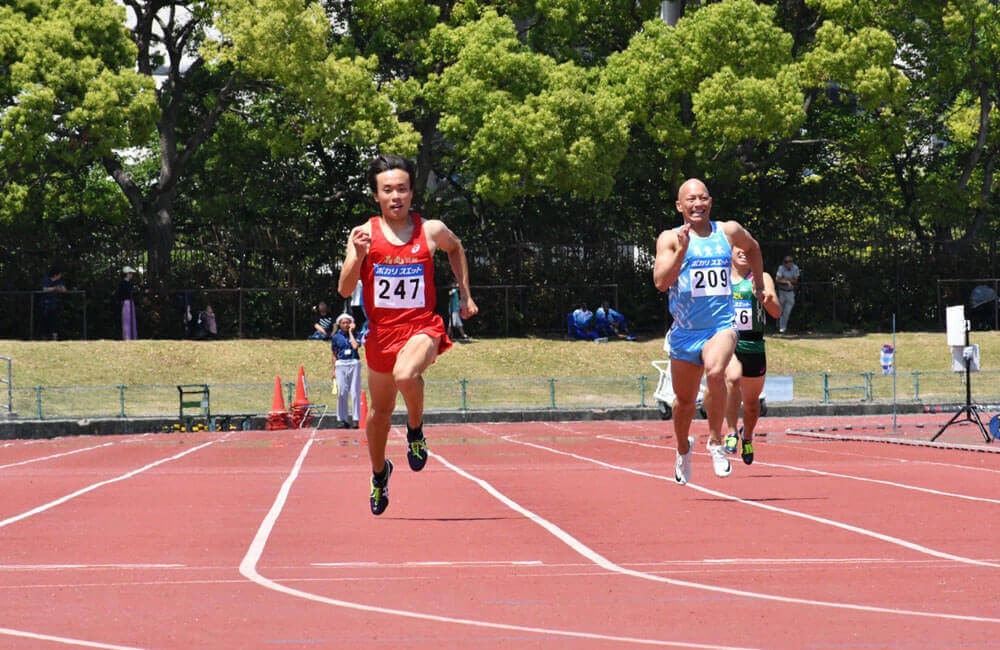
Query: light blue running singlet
{"points": [[702, 296]]}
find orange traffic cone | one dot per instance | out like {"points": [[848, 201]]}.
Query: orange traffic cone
{"points": [[300, 390], [300, 407], [363, 420], [277, 419]]}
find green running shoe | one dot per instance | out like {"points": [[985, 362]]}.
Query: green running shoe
{"points": [[416, 448], [379, 500], [747, 452], [732, 442]]}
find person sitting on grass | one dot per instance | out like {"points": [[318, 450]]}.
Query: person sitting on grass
{"points": [[610, 323], [580, 324], [323, 327]]}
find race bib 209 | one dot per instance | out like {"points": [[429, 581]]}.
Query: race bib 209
{"points": [[709, 277]]}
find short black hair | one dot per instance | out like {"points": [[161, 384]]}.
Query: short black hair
{"points": [[386, 162]]}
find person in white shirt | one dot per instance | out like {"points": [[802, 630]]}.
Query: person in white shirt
{"points": [[786, 280]]}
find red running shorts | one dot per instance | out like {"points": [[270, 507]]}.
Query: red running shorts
{"points": [[382, 344]]}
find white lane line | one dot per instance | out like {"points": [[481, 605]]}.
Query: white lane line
{"points": [[91, 488], [601, 561], [902, 486], [779, 438], [248, 568], [764, 561], [400, 565], [915, 461], [65, 453], [55, 567], [756, 504], [64, 640]]}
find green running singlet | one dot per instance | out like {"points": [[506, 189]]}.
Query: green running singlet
{"points": [[749, 317]]}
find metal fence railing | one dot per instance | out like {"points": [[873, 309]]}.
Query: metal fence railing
{"points": [[59, 402], [845, 283], [8, 405], [65, 316]]}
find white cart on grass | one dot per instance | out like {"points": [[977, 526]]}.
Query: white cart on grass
{"points": [[664, 393]]}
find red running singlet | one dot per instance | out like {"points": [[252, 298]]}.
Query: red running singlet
{"points": [[398, 281]]}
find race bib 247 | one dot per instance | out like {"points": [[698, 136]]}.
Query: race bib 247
{"points": [[399, 286]]}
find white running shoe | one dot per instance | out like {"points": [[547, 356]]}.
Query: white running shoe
{"points": [[682, 468], [719, 461]]}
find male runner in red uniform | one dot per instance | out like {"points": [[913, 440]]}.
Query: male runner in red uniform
{"points": [[393, 254]]}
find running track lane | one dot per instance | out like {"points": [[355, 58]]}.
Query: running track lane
{"points": [[481, 557], [581, 493]]}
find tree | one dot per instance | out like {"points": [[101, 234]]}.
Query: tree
{"points": [[68, 97], [260, 48]]}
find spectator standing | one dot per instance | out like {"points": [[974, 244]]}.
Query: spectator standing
{"points": [[787, 280], [206, 323], [52, 285], [126, 302], [455, 322], [346, 371], [323, 327]]}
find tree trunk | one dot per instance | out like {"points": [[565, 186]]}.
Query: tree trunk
{"points": [[158, 220], [671, 11]]}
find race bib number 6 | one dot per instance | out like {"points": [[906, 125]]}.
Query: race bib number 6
{"points": [[744, 314], [399, 286], [709, 277]]}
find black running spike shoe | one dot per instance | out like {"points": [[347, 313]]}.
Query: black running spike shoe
{"points": [[379, 500], [416, 448]]}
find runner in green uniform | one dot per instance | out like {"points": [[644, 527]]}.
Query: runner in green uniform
{"points": [[748, 366]]}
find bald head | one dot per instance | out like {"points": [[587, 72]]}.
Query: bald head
{"points": [[695, 204], [692, 184]]}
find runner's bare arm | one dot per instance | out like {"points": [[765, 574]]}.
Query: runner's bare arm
{"points": [[739, 236], [358, 243], [671, 247], [442, 237], [770, 301]]}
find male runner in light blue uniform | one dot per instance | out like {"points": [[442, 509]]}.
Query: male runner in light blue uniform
{"points": [[693, 262]]}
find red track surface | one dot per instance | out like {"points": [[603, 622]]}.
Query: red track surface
{"points": [[528, 535]]}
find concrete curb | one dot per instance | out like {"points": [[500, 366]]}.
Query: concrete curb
{"points": [[13, 428]]}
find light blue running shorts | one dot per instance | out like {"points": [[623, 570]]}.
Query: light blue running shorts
{"points": [[686, 345]]}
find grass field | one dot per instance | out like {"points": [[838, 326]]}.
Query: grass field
{"points": [[502, 372], [110, 363]]}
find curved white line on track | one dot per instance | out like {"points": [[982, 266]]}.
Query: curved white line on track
{"points": [[248, 568], [65, 453], [64, 640], [601, 561], [793, 513], [902, 486], [91, 488]]}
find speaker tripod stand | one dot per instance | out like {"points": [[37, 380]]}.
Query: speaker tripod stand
{"points": [[970, 410]]}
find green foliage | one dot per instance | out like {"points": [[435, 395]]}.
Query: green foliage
{"points": [[69, 95], [521, 123], [285, 43], [531, 122]]}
